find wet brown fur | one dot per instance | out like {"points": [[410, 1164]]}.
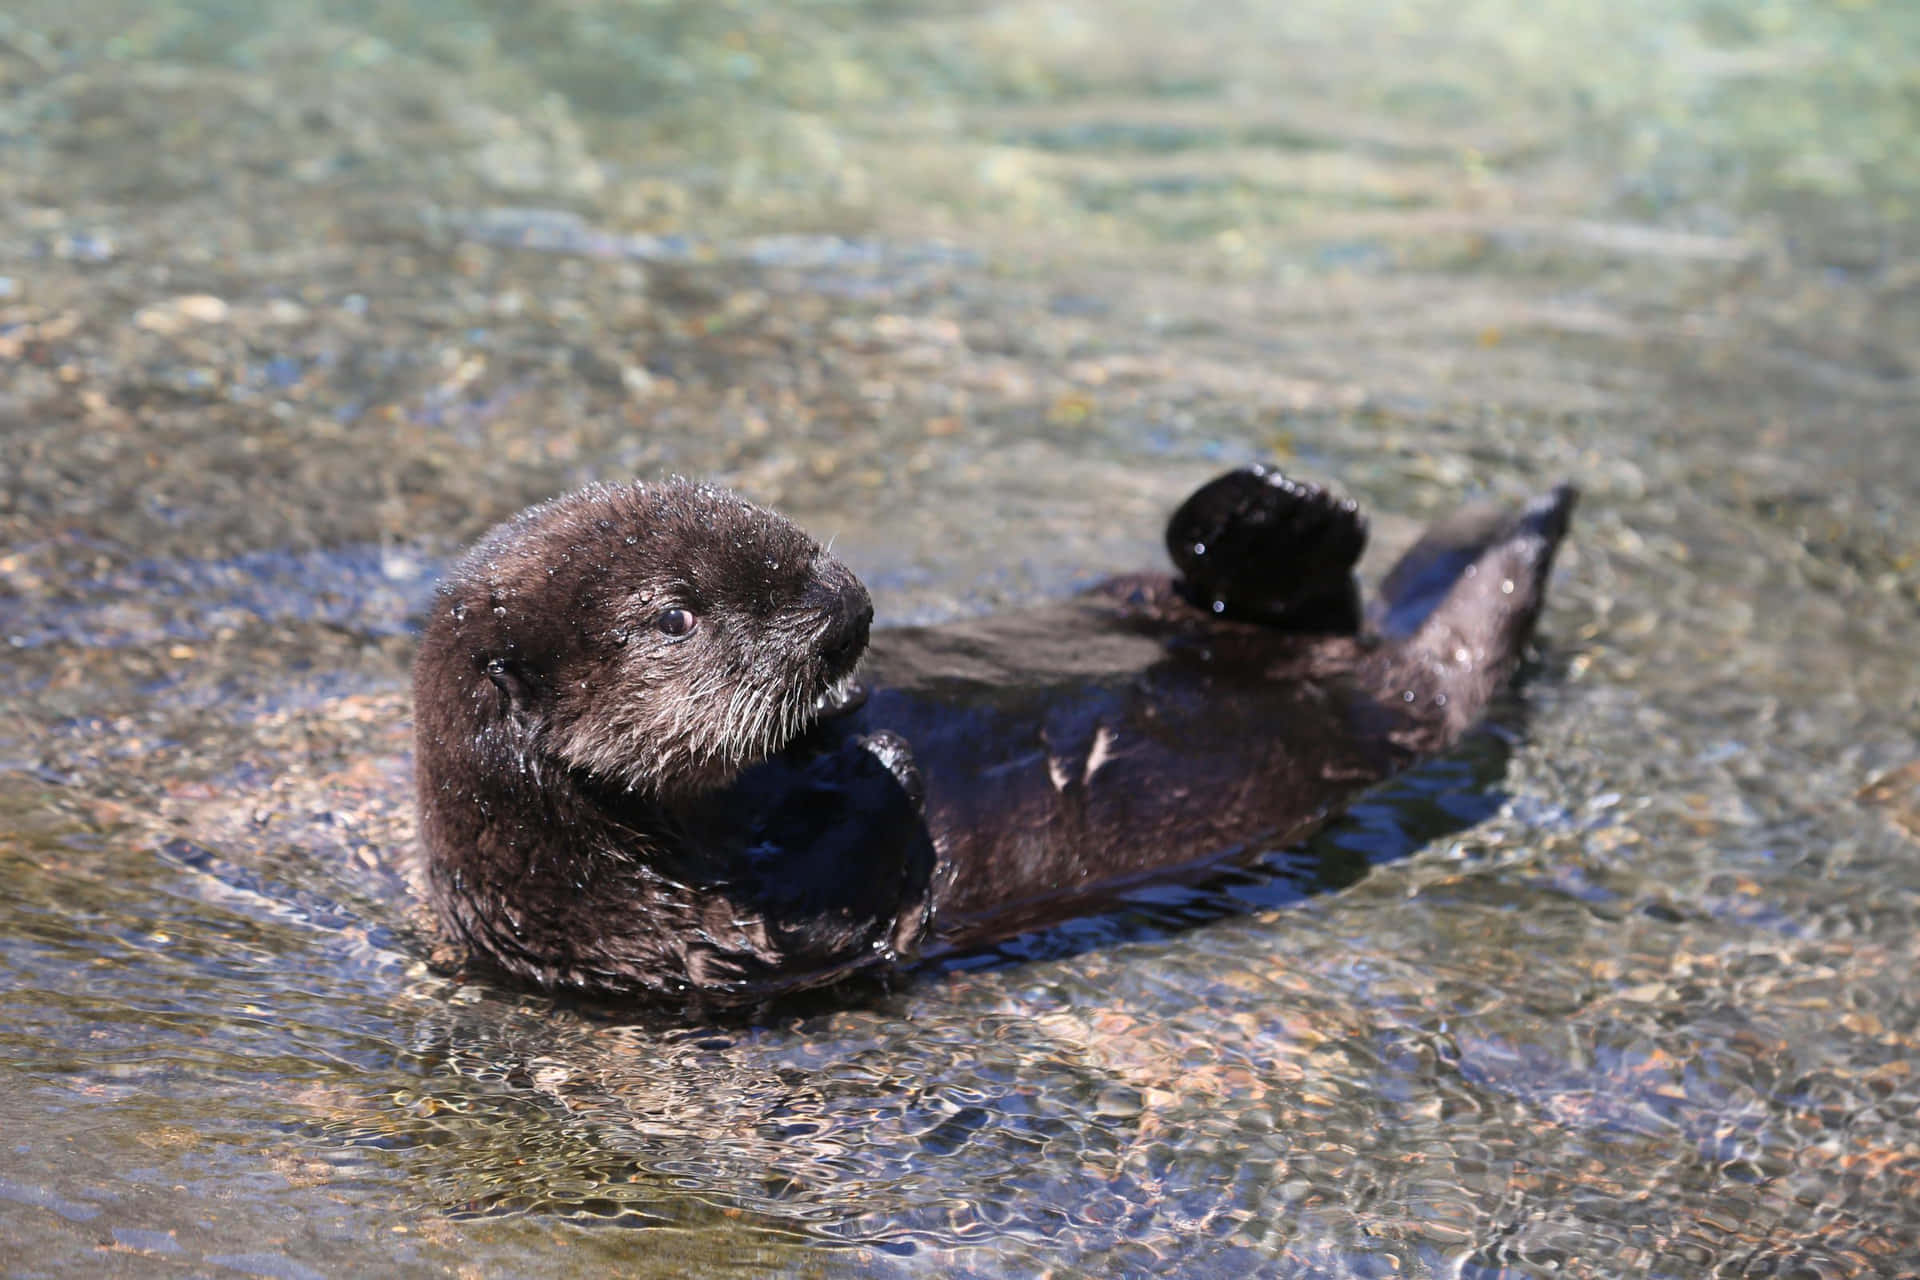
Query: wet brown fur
{"points": [[705, 819]]}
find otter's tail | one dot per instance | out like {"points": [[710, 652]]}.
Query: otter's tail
{"points": [[1458, 608]]}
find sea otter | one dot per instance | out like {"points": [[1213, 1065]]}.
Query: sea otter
{"points": [[645, 767]]}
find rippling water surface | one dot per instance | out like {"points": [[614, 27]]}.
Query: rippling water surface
{"points": [[295, 298]]}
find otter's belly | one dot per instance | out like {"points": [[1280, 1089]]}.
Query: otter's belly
{"points": [[1068, 753]]}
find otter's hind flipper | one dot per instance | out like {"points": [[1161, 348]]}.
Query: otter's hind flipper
{"points": [[1257, 546]]}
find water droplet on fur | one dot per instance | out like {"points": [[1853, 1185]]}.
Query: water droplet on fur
{"points": [[631, 538], [459, 613], [1219, 606], [499, 611], [1199, 548], [1407, 696], [1439, 699], [1506, 586]]}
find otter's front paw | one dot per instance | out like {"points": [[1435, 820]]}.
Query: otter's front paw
{"points": [[893, 753]]}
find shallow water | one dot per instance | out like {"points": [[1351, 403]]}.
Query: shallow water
{"points": [[296, 298]]}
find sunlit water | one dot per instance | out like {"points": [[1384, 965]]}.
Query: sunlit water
{"points": [[295, 299]]}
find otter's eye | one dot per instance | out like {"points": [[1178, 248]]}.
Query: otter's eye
{"points": [[676, 623]]}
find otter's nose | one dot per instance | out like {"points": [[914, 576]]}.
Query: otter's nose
{"points": [[849, 617], [846, 636]]}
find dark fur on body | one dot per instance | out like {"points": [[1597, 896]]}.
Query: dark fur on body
{"points": [[712, 818]]}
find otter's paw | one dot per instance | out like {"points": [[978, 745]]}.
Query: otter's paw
{"points": [[893, 753], [1258, 546], [913, 922]]}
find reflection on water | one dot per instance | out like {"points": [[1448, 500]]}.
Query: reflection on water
{"points": [[294, 298]]}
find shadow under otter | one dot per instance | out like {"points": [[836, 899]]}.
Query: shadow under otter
{"points": [[644, 769]]}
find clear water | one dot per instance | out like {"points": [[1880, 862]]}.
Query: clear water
{"points": [[296, 298]]}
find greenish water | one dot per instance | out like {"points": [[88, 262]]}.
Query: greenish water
{"points": [[295, 298]]}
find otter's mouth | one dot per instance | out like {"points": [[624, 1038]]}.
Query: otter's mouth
{"points": [[840, 697]]}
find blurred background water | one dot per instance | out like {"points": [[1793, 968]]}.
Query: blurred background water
{"points": [[296, 297]]}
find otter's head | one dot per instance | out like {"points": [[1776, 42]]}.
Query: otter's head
{"points": [[660, 637]]}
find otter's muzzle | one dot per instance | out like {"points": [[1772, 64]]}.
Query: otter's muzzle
{"points": [[848, 611]]}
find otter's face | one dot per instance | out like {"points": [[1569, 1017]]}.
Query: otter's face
{"points": [[660, 637]]}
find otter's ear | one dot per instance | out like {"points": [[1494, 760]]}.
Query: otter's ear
{"points": [[513, 684]]}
